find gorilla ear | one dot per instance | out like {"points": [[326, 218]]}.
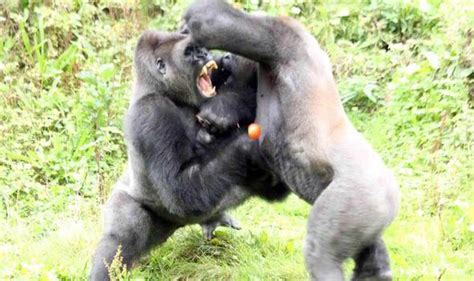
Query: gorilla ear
{"points": [[160, 66], [145, 62]]}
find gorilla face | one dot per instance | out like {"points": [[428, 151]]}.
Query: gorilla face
{"points": [[235, 70], [169, 63]]}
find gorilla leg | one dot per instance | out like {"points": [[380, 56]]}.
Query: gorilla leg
{"points": [[372, 263], [343, 223], [130, 226]]}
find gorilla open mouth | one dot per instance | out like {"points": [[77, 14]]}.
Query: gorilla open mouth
{"points": [[204, 83]]}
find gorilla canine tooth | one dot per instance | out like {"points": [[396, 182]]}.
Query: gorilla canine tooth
{"points": [[203, 71], [211, 64], [212, 93]]}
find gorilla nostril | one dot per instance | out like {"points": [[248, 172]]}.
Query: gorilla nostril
{"points": [[227, 56], [202, 54], [189, 50]]}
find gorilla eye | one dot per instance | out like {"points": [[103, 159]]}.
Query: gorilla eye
{"points": [[160, 65], [188, 51]]}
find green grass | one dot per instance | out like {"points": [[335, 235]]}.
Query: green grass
{"points": [[405, 71]]}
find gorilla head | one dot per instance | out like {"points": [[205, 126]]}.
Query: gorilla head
{"points": [[243, 72], [235, 72], [235, 106], [172, 65]]}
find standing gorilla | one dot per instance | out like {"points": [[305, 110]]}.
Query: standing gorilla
{"points": [[172, 179], [307, 139]]}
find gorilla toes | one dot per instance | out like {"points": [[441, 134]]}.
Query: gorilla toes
{"points": [[210, 226]]}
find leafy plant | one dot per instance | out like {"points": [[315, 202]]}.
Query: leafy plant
{"points": [[404, 71]]}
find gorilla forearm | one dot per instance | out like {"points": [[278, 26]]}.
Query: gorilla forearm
{"points": [[199, 188], [230, 109], [245, 35], [189, 183]]}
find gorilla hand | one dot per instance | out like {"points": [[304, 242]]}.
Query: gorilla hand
{"points": [[204, 137], [212, 126], [218, 117], [201, 12]]}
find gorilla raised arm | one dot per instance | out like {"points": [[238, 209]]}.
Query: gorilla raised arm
{"points": [[307, 139], [172, 180]]}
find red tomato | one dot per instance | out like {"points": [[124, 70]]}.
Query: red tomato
{"points": [[254, 131]]}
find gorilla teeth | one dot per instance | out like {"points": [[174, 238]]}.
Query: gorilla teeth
{"points": [[204, 82], [209, 66], [203, 71]]}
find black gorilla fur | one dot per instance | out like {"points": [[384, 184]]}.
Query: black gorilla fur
{"points": [[174, 178]]}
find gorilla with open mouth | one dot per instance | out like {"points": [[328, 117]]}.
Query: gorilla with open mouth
{"points": [[307, 139], [178, 171]]}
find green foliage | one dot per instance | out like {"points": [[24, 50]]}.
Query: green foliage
{"points": [[117, 270], [405, 71]]}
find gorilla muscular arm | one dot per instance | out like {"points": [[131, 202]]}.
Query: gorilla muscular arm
{"points": [[246, 35], [189, 183]]}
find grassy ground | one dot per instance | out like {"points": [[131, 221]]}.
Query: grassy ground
{"points": [[405, 72]]}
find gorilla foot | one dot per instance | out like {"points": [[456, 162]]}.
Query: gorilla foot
{"points": [[381, 276], [372, 263], [210, 226]]}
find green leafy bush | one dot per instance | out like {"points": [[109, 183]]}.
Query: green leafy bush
{"points": [[405, 73]]}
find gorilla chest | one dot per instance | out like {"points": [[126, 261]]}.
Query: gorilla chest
{"points": [[305, 176], [287, 152], [188, 121]]}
